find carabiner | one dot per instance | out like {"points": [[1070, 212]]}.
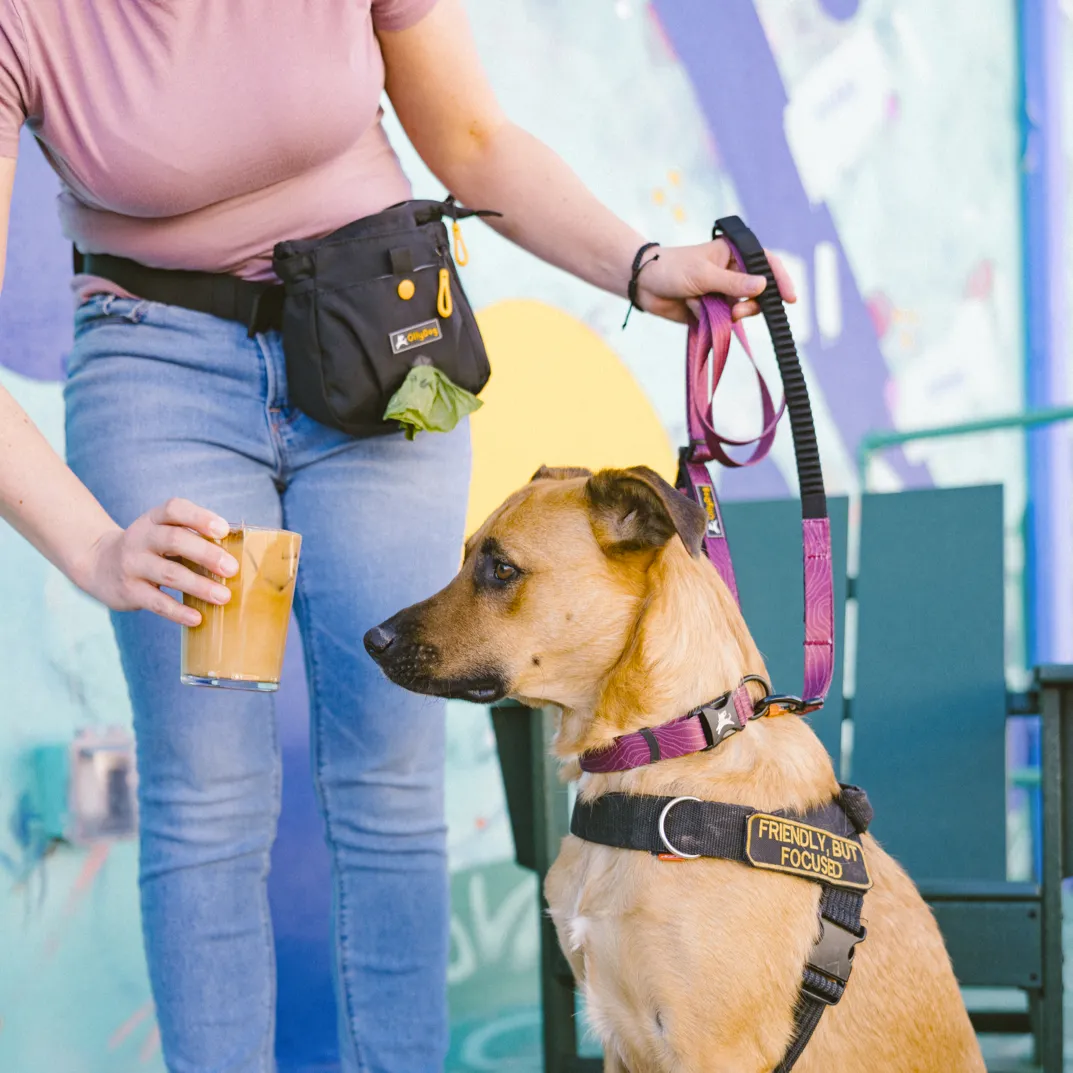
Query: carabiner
{"points": [[794, 705]]}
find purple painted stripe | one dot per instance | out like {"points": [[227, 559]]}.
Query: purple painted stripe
{"points": [[36, 310]]}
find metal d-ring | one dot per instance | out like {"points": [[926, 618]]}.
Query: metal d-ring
{"points": [[663, 833]]}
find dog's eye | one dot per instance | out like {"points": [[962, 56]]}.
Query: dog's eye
{"points": [[504, 571]]}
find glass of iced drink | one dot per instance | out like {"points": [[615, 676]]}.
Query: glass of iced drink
{"points": [[239, 645]]}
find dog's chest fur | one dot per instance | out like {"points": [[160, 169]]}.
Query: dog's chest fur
{"points": [[655, 944], [696, 966]]}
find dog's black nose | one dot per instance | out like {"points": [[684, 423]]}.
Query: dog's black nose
{"points": [[378, 640]]}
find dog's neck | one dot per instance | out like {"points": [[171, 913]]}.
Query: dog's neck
{"points": [[689, 645]]}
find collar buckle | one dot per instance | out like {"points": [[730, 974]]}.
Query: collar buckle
{"points": [[717, 720]]}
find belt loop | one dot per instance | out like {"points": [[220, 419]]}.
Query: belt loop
{"points": [[252, 328], [234, 295]]}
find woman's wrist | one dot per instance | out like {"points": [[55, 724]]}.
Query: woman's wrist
{"points": [[645, 255], [80, 561]]}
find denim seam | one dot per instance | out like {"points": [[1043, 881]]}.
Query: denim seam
{"points": [[271, 386], [268, 1051], [313, 677]]}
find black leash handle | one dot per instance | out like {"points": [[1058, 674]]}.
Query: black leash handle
{"points": [[806, 451]]}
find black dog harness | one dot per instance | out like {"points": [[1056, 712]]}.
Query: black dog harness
{"points": [[822, 845]]}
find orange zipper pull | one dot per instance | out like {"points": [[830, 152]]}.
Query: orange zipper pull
{"points": [[444, 305], [461, 253]]}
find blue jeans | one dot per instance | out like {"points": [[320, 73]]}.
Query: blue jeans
{"points": [[165, 402]]}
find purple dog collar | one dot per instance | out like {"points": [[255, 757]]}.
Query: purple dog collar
{"points": [[701, 729]]}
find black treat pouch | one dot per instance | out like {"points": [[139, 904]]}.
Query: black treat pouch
{"points": [[362, 305]]}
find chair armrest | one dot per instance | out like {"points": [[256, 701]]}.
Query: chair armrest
{"points": [[1054, 675], [977, 890], [992, 930]]}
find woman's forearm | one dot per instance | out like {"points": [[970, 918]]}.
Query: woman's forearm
{"points": [[123, 568], [546, 208], [42, 498], [445, 104]]}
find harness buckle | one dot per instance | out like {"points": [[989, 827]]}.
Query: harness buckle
{"points": [[832, 957]]}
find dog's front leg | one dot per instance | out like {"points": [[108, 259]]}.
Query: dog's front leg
{"points": [[613, 1064]]}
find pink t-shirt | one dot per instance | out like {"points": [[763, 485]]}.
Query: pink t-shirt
{"points": [[198, 133]]}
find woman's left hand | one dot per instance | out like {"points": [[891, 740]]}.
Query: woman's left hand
{"points": [[669, 287]]}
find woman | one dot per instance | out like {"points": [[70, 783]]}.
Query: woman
{"points": [[195, 135]]}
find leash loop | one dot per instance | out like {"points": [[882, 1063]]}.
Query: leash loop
{"points": [[707, 349]]}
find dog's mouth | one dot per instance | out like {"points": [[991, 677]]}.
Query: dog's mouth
{"points": [[478, 691], [407, 665], [485, 690]]}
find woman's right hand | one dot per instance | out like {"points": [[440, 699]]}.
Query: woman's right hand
{"points": [[125, 568], [53, 509]]}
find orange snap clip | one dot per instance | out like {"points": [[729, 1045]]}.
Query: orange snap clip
{"points": [[444, 304], [461, 253]]}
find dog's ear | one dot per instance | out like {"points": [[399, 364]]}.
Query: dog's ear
{"points": [[562, 473], [634, 509]]}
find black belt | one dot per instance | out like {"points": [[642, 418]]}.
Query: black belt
{"points": [[686, 827], [257, 305]]}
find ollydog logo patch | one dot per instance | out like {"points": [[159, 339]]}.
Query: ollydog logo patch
{"points": [[707, 498], [428, 331], [784, 845]]}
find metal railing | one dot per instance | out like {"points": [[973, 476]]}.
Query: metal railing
{"points": [[877, 441]]}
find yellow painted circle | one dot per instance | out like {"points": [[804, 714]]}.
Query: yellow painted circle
{"points": [[406, 289], [559, 396]]}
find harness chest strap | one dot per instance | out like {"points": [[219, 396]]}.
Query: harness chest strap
{"points": [[822, 845]]}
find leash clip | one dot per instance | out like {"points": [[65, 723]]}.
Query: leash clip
{"points": [[794, 705]]}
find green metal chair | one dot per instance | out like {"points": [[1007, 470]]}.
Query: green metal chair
{"points": [[929, 738], [928, 732]]}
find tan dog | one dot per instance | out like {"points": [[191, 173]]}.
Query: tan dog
{"points": [[590, 593]]}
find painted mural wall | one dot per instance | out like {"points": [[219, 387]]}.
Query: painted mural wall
{"points": [[873, 144]]}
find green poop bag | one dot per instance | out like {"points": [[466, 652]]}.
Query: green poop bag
{"points": [[429, 401]]}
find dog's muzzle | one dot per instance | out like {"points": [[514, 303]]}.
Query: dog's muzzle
{"points": [[413, 665]]}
